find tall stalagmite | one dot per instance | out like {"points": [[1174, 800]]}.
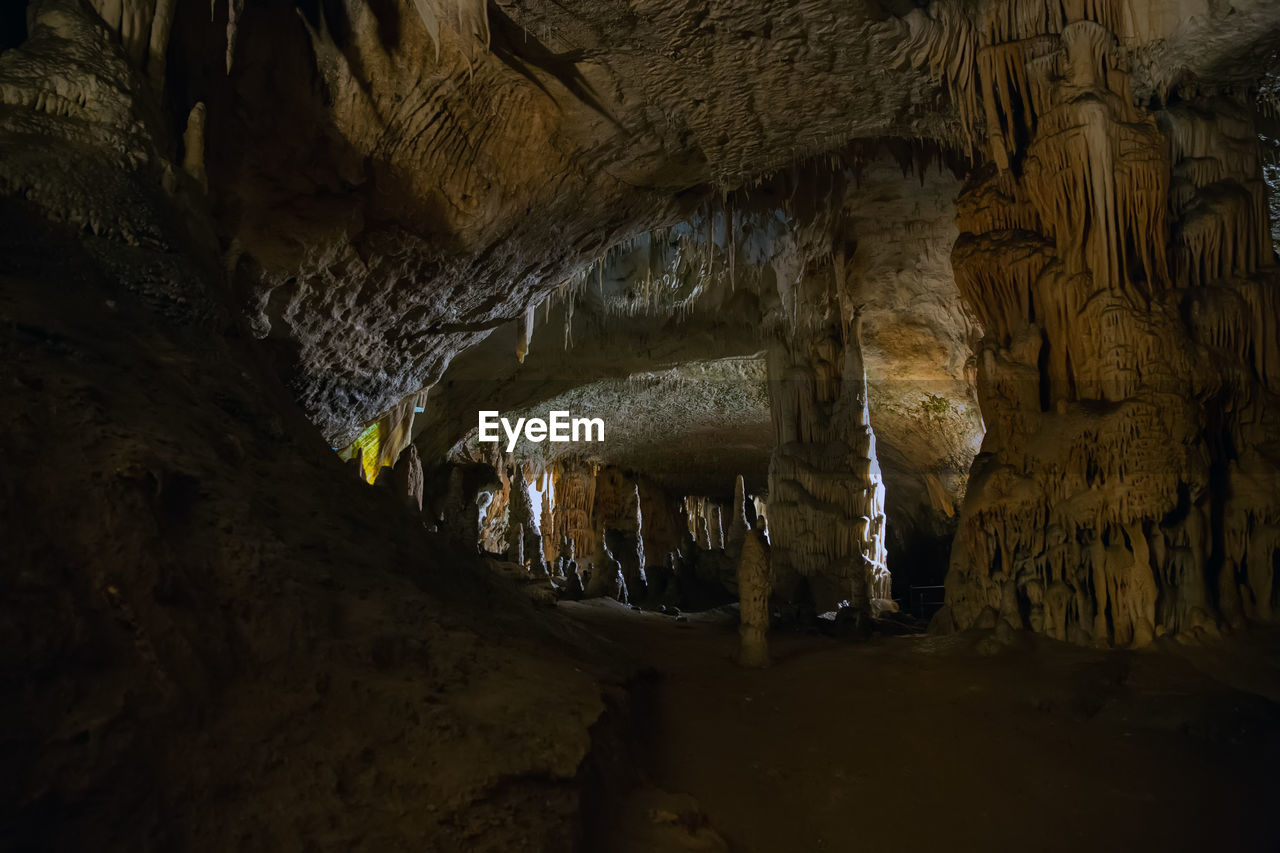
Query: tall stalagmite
{"points": [[755, 582], [826, 498]]}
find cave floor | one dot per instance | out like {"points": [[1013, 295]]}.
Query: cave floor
{"points": [[956, 743]]}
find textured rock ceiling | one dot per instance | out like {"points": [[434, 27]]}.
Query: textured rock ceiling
{"points": [[677, 381], [397, 208], [692, 428], [391, 203]]}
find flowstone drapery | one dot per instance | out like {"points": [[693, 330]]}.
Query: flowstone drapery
{"points": [[1126, 484]]}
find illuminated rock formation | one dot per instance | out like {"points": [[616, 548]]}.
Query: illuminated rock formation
{"points": [[238, 237], [826, 498], [574, 490], [1119, 258], [521, 517], [663, 528], [738, 526]]}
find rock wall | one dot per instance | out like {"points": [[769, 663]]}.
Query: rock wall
{"points": [[214, 637], [1118, 256]]}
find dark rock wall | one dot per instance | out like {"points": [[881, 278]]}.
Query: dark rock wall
{"points": [[214, 637]]}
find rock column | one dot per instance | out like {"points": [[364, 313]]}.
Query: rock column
{"points": [[755, 583]]}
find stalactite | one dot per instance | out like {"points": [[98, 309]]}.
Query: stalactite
{"points": [[469, 18], [158, 46], [235, 8], [524, 331], [143, 27]]}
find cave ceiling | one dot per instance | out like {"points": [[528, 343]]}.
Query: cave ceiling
{"points": [[395, 191], [397, 195]]}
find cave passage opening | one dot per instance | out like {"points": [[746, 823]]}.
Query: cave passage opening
{"points": [[797, 358]]}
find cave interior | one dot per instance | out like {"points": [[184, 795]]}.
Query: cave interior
{"points": [[640, 425]]}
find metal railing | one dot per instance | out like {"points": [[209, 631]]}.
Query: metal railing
{"points": [[925, 600]]}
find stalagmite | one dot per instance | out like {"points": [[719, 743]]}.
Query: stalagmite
{"points": [[193, 146], [470, 18], [738, 520], [755, 583], [469, 494], [715, 528], [235, 8], [409, 481], [356, 464], [619, 523], [520, 515], [573, 581]]}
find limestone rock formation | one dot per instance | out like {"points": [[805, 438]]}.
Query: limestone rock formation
{"points": [[755, 585], [738, 526], [1116, 497], [847, 280], [409, 480], [574, 490], [826, 496]]}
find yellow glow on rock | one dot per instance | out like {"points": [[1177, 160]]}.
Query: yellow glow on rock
{"points": [[369, 445]]}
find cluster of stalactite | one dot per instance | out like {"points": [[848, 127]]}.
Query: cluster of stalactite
{"points": [[589, 529], [704, 522], [1120, 262], [826, 495], [143, 27]]}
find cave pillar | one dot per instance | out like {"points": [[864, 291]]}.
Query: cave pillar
{"points": [[826, 495], [1120, 264], [570, 528], [755, 583]]}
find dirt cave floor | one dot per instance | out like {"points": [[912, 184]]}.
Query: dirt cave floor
{"points": [[949, 743]]}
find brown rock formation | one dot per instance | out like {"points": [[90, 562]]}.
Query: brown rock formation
{"points": [[826, 498], [408, 483], [763, 239], [755, 584], [1118, 257]]}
